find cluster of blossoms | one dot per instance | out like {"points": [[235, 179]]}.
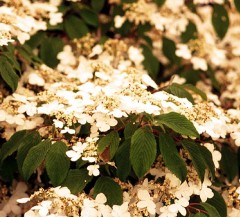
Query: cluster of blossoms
{"points": [[99, 87], [21, 19]]}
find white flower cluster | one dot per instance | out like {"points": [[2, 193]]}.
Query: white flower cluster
{"points": [[22, 18]]}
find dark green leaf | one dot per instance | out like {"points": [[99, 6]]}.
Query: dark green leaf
{"points": [[218, 202], [89, 16], [34, 158], [178, 90], [195, 90], [208, 160], [200, 214], [129, 130], [171, 157], [237, 5], [8, 169], [159, 2], [143, 151], [110, 140], [75, 27], [169, 49], [190, 33], [57, 163], [28, 141], [123, 160], [212, 211], [192, 76], [76, 180], [220, 20], [197, 159], [110, 189], [12, 144], [178, 123], [213, 79], [36, 39], [8, 73], [150, 62], [49, 49], [229, 169], [97, 5]]}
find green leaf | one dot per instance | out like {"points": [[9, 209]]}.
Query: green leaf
{"points": [[89, 16], [195, 90], [30, 140], [237, 5], [229, 169], [12, 144], [200, 214], [8, 169], [129, 130], [123, 160], [220, 20], [218, 202], [110, 189], [49, 50], [212, 76], [57, 163], [35, 157], [197, 159], [212, 211], [36, 39], [169, 49], [208, 160], [160, 2], [76, 180], [191, 76], [8, 73], [178, 90], [27, 54], [75, 27], [190, 33], [178, 123], [150, 62], [171, 157], [143, 151], [97, 5], [110, 140]]}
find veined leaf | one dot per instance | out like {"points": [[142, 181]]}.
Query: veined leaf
{"points": [[150, 62], [49, 49], [75, 27], [111, 140], [123, 160], [212, 211], [130, 130], [178, 90], [57, 163], [30, 140], [218, 202], [171, 157], [89, 16], [178, 123], [110, 189], [195, 90], [34, 158], [198, 161], [76, 180], [169, 49], [220, 20], [207, 156], [8, 73], [229, 169], [143, 151], [12, 144]]}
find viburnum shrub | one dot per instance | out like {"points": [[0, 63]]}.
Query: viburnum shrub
{"points": [[120, 108]]}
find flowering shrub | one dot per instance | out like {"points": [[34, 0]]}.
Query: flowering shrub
{"points": [[120, 108]]}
